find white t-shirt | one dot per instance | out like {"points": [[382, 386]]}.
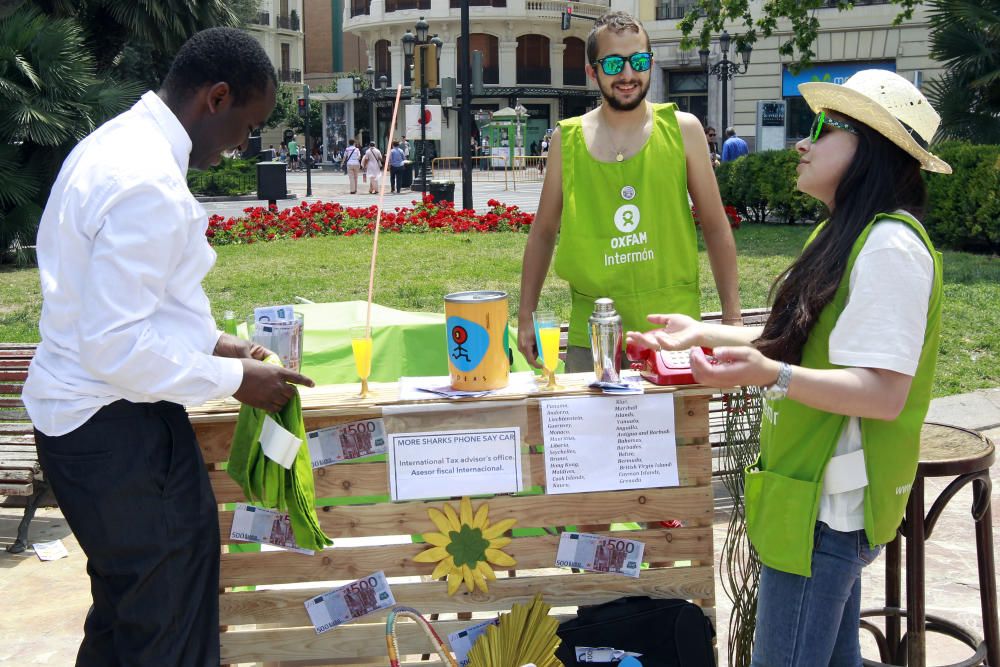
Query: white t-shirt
{"points": [[882, 326]]}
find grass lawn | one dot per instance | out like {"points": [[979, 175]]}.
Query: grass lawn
{"points": [[416, 270]]}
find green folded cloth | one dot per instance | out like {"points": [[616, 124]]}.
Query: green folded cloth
{"points": [[265, 483]]}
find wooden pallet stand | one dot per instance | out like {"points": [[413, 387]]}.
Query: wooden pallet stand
{"points": [[271, 624]]}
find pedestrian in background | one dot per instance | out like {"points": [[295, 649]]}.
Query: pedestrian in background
{"points": [[733, 147]]}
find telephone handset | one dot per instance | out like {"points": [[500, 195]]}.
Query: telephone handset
{"points": [[663, 367]]}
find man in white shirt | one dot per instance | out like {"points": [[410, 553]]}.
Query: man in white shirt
{"points": [[127, 337]]}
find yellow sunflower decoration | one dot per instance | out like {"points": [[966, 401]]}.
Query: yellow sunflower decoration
{"points": [[466, 546]]}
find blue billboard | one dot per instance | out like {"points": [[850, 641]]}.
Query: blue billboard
{"points": [[827, 73]]}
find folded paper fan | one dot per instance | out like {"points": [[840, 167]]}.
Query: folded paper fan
{"points": [[526, 635]]}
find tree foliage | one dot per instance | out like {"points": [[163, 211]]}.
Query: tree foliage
{"points": [[50, 98], [66, 66], [707, 18], [965, 36]]}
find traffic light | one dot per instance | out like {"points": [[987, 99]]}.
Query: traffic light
{"points": [[567, 15], [303, 107]]}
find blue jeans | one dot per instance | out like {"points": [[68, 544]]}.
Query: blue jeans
{"points": [[814, 621]]}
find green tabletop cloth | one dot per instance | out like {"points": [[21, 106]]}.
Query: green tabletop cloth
{"points": [[404, 343]]}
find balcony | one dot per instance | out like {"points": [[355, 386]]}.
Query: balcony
{"points": [[857, 3], [576, 76], [290, 75], [670, 11], [534, 75], [457, 4], [262, 18], [401, 5], [555, 8], [290, 22]]}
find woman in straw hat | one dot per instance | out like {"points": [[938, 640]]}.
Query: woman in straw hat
{"points": [[846, 361]]}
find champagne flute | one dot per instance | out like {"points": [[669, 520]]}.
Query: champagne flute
{"points": [[547, 333], [361, 346]]}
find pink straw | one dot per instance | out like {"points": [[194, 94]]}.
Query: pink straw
{"points": [[378, 217]]}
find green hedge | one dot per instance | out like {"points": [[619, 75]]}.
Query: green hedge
{"points": [[762, 188], [228, 178], [963, 209]]}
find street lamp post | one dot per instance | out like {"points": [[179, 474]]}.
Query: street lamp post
{"points": [[371, 100], [519, 111], [410, 42], [725, 70]]}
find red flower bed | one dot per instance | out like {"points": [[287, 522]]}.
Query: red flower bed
{"points": [[734, 216], [331, 219]]}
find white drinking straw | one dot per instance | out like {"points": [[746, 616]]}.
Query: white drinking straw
{"points": [[378, 217]]}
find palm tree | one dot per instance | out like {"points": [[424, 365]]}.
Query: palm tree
{"points": [[50, 98], [965, 35]]}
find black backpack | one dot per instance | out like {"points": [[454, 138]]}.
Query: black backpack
{"points": [[668, 633]]}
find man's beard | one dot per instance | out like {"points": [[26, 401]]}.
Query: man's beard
{"points": [[619, 106]]}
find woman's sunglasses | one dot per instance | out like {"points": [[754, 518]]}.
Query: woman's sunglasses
{"points": [[639, 61], [822, 121]]}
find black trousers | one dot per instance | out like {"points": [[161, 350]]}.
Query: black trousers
{"points": [[133, 487], [395, 178]]}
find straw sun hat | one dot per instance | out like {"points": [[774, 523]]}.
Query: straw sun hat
{"points": [[887, 103]]}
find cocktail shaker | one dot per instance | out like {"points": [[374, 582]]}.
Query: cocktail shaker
{"points": [[606, 340]]}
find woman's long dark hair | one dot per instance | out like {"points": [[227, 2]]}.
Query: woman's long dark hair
{"points": [[880, 179]]}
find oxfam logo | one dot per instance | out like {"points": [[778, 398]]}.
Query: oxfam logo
{"points": [[627, 218]]}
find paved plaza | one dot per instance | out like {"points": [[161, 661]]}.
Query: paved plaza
{"points": [[332, 186]]}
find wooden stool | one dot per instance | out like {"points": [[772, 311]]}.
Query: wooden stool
{"points": [[945, 451]]}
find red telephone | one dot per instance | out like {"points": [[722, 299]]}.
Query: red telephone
{"points": [[662, 367]]}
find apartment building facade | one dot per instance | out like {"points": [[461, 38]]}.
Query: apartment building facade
{"points": [[849, 41], [528, 59]]}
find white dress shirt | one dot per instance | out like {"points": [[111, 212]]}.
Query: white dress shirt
{"points": [[121, 256], [882, 326]]}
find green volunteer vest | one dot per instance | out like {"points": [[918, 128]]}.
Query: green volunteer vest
{"points": [[626, 229], [783, 489]]}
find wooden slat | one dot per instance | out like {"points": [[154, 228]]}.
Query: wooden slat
{"points": [[692, 504], [16, 488], [282, 567], [18, 456], [14, 414], [9, 402], [16, 443], [215, 432], [15, 429], [353, 641], [11, 475], [13, 375], [11, 388], [286, 606], [347, 480]]}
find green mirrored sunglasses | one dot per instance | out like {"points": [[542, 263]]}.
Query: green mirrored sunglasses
{"points": [[822, 121], [640, 61]]}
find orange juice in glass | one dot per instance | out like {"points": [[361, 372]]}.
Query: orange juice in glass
{"points": [[547, 327], [361, 346]]}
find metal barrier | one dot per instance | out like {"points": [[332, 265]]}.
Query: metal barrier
{"points": [[528, 169], [485, 169]]}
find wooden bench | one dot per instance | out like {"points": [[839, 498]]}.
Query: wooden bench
{"points": [[20, 473]]}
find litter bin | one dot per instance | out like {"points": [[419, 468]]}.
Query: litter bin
{"points": [[406, 178], [441, 190], [271, 183]]}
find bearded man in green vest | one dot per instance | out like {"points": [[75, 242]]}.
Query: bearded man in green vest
{"points": [[616, 194]]}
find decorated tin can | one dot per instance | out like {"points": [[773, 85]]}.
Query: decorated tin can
{"points": [[478, 340]]}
